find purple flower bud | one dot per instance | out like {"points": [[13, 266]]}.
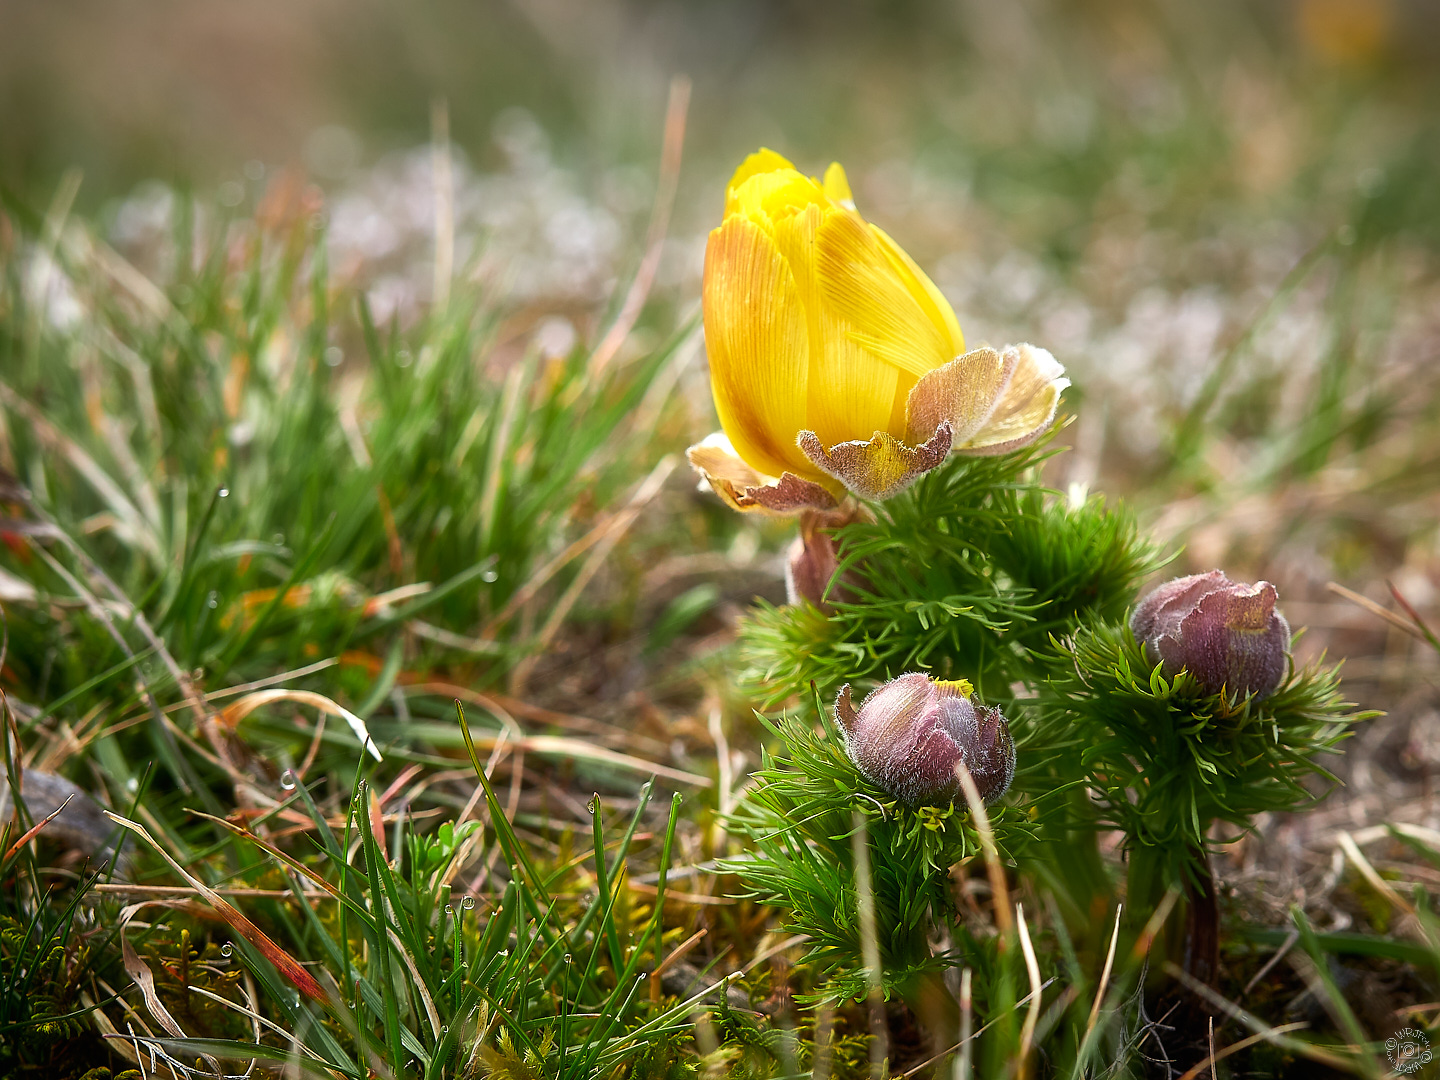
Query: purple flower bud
{"points": [[912, 732], [1227, 634], [812, 561]]}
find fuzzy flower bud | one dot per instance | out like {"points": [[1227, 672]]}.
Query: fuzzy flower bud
{"points": [[911, 733], [1227, 634]]}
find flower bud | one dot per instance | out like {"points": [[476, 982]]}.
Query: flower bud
{"points": [[813, 559], [911, 733], [1228, 635]]}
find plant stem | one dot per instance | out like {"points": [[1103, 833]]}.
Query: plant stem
{"points": [[1191, 935], [1201, 952], [936, 1008]]}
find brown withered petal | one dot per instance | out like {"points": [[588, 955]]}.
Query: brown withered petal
{"points": [[1227, 634], [881, 467], [743, 488], [910, 733], [1027, 405], [994, 401], [963, 392]]}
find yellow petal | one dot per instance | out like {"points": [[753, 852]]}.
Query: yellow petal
{"points": [[1028, 405], [930, 299], [763, 160], [741, 488], [862, 286], [756, 339], [770, 196], [850, 392], [837, 188]]}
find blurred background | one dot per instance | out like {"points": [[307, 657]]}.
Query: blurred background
{"points": [[1129, 182], [1223, 217], [1125, 181]]}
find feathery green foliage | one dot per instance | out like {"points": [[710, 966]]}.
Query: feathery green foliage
{"points": [[1165, 760], [966, 574]]}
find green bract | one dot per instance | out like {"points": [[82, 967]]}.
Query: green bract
{"points": [[1166, 758]]}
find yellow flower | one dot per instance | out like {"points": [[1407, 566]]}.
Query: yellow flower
{"points": [[835, 362]]}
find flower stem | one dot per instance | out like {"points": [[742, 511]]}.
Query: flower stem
{"points": [[1191, 935]]}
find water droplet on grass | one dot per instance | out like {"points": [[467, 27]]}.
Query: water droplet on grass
{"points": [[287, 780], [226, 950], [489, 576], [224, 493]]}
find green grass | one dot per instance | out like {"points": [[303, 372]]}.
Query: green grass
{"points": [[198, 506]]}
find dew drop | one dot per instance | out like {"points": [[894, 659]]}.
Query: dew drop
{"points": [[287, 780], [468, 903], [213, 600], [568, 958], [224, 493], [227, 949], [449, 909], [594, 804], [489, 576]]}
